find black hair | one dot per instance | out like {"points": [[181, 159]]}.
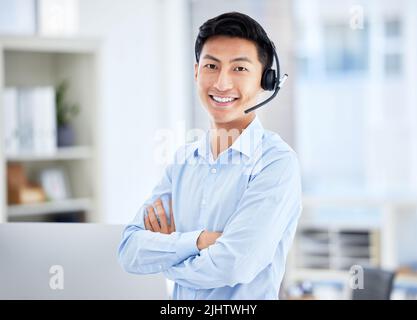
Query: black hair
{"points": [[236, 24]]}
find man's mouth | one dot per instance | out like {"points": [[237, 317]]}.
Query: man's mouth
{"points": [[223, 101]]}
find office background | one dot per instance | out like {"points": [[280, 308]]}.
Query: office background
{"points": [[349, 109]]}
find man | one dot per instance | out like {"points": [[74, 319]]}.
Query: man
{"points": [[221, 220]]}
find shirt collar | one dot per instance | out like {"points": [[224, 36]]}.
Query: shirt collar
{"points": [[202, 146], [246, 143], [249, 139]]}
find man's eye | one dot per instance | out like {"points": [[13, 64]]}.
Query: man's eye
{"points": [[241, 69], [210, 66]]}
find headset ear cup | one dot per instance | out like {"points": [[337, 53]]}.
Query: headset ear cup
{"points": [[268, 80]]}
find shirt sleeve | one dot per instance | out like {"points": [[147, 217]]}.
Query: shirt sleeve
{"points": [[142, 251], [269, 208]]}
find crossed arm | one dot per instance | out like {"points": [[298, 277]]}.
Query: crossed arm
{"points": [[267, 213], [151, 243], [157, 222]]}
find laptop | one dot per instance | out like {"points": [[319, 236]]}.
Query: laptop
{"points": [[69, 261]]}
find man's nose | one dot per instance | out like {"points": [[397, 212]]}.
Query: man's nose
{"points": [[224, 81]]}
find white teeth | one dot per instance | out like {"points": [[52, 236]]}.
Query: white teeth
{"points": [[223, 100]]}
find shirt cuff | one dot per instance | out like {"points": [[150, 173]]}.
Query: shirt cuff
{"points": [[187, 244]]}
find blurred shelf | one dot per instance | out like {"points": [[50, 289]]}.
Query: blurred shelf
{"points": [[33, 61], [319, 275], [49, 44], [310, 201], [341, 276], [69, 205], [66, 153]]}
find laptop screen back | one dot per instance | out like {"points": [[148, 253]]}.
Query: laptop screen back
{"points": [[69, 261]]}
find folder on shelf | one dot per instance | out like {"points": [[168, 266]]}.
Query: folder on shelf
{"points": [[30, 120]]}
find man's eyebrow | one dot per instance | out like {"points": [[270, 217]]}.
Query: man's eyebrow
{"points": [[208, 56], [241, 59]]}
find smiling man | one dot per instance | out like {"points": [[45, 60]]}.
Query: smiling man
{"points": [[222, 219]]}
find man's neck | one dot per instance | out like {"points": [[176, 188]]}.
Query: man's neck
{"points": [[224, 134]]}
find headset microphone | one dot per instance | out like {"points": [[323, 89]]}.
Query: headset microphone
{"points": [[271, 81]]}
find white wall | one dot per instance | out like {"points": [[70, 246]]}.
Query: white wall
{"points": [[362, 126], [134, 79], [278, 115]]}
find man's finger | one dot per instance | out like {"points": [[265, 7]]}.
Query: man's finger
{"points": [[153, 220], [161, 214], [171, 217], [147, 223]]}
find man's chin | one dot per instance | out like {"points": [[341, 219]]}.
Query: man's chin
{"points": [[224, 118], [234, 117]]}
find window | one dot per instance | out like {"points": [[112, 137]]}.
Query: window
{"points": [[346, 50], [393, 47], [393, 64], [393, 28]]}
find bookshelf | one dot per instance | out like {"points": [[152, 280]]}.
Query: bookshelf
{"points": [[33, 61], [336, 248], [51, 207], [63, 153], [325, 247]]}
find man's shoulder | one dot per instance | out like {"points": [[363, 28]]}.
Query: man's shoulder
{"points": [[273, 154], [274, 147]]}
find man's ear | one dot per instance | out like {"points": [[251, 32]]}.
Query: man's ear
{"points": [[195, 71]]}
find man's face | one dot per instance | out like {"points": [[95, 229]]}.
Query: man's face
{"points": [[228, 78]]}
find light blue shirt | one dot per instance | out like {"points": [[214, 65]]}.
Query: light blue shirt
{"points": [[251, 193]]}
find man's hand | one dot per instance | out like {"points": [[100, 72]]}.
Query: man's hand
{"points": [[207, 238], [151, 219]]}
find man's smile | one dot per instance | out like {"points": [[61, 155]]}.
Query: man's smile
{"points": [[222, 101]]}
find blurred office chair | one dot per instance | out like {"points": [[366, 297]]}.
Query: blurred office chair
{"points": [[377, 285]]}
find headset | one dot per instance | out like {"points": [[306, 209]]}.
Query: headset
{"points": [[271, 81]]}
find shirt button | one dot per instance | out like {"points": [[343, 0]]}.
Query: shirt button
{"points": [[213, 170]]}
